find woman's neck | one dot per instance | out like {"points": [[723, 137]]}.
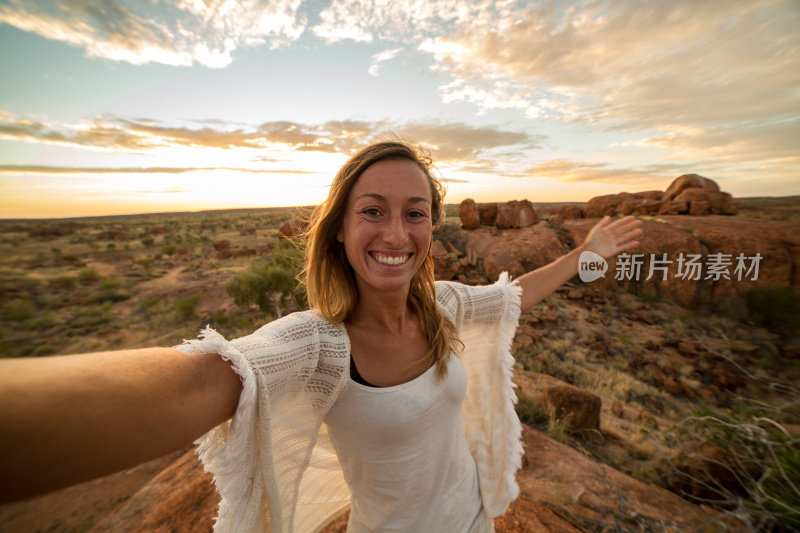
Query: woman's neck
{"points": [[388, 311]]}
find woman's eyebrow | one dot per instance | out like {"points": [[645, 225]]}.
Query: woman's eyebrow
{"points": [[380, 197]]}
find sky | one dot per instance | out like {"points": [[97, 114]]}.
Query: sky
{"points": [[117, 107]]}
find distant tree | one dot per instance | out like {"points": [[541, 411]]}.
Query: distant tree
{"points": [[268, 284]]}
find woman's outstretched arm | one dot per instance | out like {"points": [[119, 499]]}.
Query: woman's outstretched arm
{"points": [[68, 419], [607, 238]]}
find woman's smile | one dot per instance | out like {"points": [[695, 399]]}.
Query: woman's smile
{"points": [[390, 260]]}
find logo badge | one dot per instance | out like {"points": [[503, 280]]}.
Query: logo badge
{"points": [[591, 266]]}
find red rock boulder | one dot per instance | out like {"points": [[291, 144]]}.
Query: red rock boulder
{"points": [[577, 408], [688, 181], [524, 215], [487, 213], [468, 213]]}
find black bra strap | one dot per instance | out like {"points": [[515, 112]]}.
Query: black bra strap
{"points": [[355, 376]]}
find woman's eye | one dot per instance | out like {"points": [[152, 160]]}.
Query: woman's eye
{"points": [[371, 211], [416, 214]]}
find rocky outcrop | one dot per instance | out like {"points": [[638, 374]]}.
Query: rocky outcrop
{"points": [[726, 251], [593, 496], [690, 194], [181, 499], [516, 251]]}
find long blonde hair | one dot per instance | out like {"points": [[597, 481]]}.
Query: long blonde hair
{"points": [[328, 276]]}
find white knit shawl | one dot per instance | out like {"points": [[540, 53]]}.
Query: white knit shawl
{"points": [[273, 462]]}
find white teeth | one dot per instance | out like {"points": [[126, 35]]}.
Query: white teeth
{"points": [[386, 260]]}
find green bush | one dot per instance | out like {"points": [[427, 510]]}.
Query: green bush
{"points": [[266, 285], [186, 308], [529, 411], [17, 310], [88, 275], [91, 319], [776, 308]]}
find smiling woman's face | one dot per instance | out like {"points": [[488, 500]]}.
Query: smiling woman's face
{"points": [[387, 225]]}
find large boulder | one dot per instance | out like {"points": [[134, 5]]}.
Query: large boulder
{"points": [[688, 181], [524, 215], [605, 205], [577, 408], [531, 247], [468, 213], [505, 216], [487, 213]]}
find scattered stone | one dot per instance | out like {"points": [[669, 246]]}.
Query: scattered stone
{"points": [[687, 348], [617, 409], [575, 294]]}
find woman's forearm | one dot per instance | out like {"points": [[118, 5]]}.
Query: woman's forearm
{"points": [[71, 418], [540, 283]]}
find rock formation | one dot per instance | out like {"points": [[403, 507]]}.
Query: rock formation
{"points": [[690, 194], [504, 215]]}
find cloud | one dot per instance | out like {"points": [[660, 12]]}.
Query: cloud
{"points": [[640, 178], [179, 33], [370, 20], [629, 64], [53, 170], [382, 57], [448, 141], [716, 78]]}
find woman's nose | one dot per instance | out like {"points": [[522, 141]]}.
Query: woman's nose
{"points": [[395, 233]]}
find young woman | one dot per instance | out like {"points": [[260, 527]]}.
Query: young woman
{"points": [[392, 395]]}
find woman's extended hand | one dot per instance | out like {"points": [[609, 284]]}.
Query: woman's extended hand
{"points": [[607, 238]]}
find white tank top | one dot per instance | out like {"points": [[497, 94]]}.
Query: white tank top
{"points": [[405, 455]]}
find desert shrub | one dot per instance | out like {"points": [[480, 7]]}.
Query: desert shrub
{"points": [[529, 411], [776, 308], [742, 462], [264, 284], [88, 275], [17, 310], [108, 290], [557, 430], [91, 319], [63, 282], [169, 250], [147, 303], [453, 234], [145, 262], [147, 242], [186, 308]]}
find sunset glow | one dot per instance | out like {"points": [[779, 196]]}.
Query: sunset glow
{"points": [[131, 107]]}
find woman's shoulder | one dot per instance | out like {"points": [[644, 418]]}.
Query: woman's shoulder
{"points": [[301, 324]]}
